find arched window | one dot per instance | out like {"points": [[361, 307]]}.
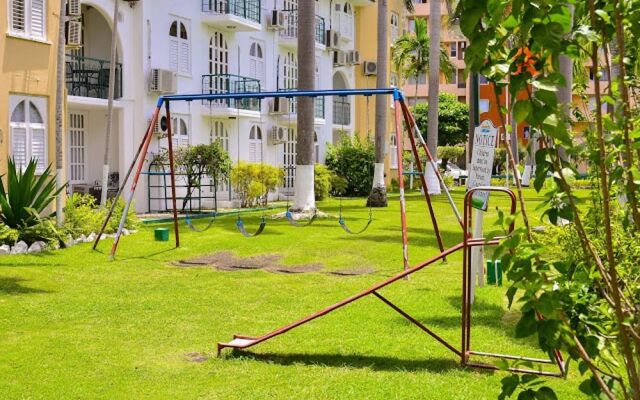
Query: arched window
{"points": [[393, 150], [28, 131], [256, 62], [219, 132], [395, 23], [180, 125], [291, 76], [179, 47], [346, 21], [255, 144]]}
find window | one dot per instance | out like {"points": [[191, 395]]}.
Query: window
{"points": [[28, 18], [316, 147], [289, 158], [346, 21], [462, 81], [483, 105], [453, 49], [394, 26], [290, 74], [255, 144], [179, 47], [219, 132], [77, 147], [393, 149], [412, 25], [422, 79], [256, 62], [462, 47], [482, 80], [28, 131], [180, 127]]}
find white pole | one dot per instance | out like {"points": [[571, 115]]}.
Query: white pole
{"points": [[477, 254]]}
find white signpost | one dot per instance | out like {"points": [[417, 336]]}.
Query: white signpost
{"points": [[484, 151]]}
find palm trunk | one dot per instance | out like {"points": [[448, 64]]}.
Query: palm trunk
{"points": [[112, 88], [304, 188], [60, 113], [565, 93], [378, 196], [434, 89]]}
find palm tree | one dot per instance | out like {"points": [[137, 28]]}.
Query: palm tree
{"points": [[410, 55], [112, 85], [378, 196], [304, 188], [435, 26], [60, 82]]}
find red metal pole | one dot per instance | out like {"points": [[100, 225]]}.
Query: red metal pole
{"points": [[132, 191], [423, 180], [403, 210], [173, 175]]}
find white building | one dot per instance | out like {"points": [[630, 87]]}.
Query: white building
{"points": [[210, 46]]}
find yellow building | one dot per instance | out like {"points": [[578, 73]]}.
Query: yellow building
{"points": [[28, 81], [366, 43]]}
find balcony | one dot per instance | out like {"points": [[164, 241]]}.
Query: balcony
{"points": [[232, 15], [341, 111], [89, 77], [229, 83], [289, 35]]}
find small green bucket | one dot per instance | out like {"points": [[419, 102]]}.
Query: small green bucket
{"points": [[494, 272], [161, 234]]}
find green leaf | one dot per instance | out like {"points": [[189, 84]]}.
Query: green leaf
{"points": [[521, 110], [544, 86], [527, 324], [527, 395], [546, 393], [509, 385]]}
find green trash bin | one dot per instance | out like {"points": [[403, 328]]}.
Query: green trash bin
{"points": [[494, 272], [161, 234]]}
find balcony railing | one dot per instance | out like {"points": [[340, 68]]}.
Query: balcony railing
{"points": [[89, 77], [247, 9], [229, 83], [341, 111], [290, 30]]}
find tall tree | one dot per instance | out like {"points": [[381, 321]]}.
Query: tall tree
{"points": [[112, 86], [435, 25], [60, 84], [304, 188], [378, 196], [410, 55]]}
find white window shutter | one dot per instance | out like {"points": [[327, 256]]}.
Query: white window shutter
{"points": [[37, 18], [18, 23], [173, 54], [252, 151], [19, 147], [253, 68], [39, 149], [185, 57]]}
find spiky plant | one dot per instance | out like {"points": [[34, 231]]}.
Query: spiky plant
{"points": [[26, 195]]}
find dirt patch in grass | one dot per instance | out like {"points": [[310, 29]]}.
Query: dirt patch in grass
{"points": [[353, 271], [227, 261], [197, 357]]}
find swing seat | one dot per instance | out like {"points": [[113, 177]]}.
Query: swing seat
{"points": [[344, 226], [243, 230], [190, 225]]}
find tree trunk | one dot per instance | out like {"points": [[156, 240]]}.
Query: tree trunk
{"points": [[565, 93], [304, 188], [60, 112], [111, 95], [378, 196], [434, 89]]}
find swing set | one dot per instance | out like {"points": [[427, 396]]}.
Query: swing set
{"points": [[464, 351]]}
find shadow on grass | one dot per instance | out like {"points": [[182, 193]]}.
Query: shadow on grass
{"points": [[13, 286], [142, 257], [375, 363]]}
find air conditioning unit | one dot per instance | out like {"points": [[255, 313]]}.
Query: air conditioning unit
{"points": [[163, 81], [73, 8], [332, 38], [353, 57], [277, 135], [74, 34], [277, 20], [370, 68], [160, 127], [340, 58], [279, 106]]}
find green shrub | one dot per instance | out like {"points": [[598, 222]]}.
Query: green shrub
{"points": [[132, 221], [8, 235], [253, 182], [448, 181], [322, 181], [338, 185], [354, 160], [26, 195], [43, 231], [83, 215]]}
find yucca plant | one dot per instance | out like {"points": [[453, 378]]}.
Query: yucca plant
{"points": [[26, 195]]}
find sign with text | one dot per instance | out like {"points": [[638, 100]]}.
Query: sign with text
{"points": [[484, 151]]}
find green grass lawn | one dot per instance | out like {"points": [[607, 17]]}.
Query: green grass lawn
{"points": [[74, 325]]}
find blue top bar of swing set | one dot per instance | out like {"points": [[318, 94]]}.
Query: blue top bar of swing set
{"points": [[397, 94]]}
